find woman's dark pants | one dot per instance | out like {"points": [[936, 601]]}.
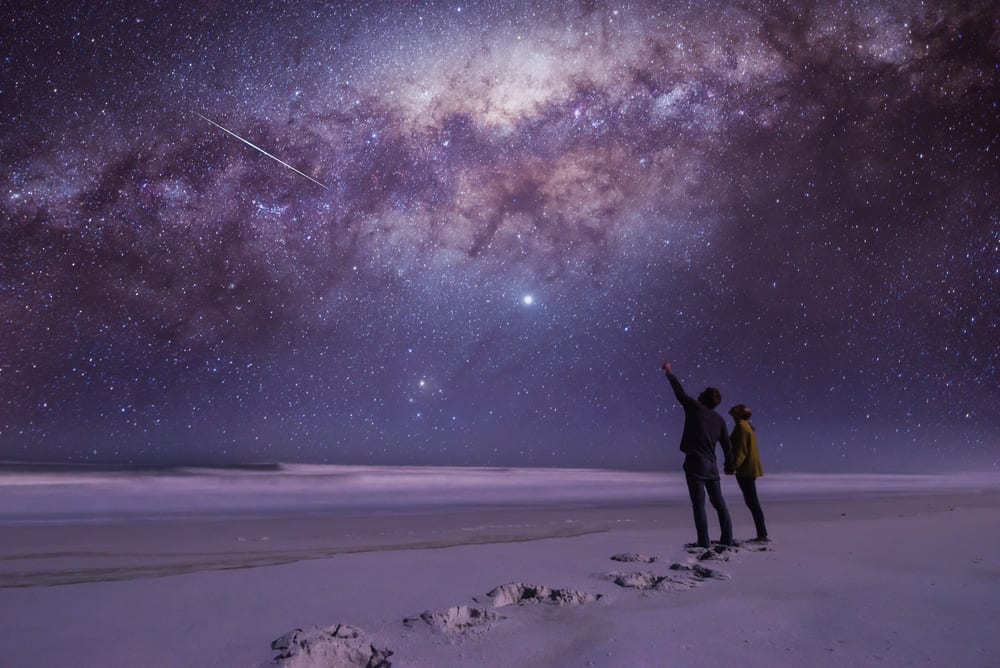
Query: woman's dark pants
{"points": [[749, 488]]}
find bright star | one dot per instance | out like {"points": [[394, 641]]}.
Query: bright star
{"points": [[528, 300]]}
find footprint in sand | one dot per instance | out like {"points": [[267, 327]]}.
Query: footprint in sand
{"points": [[650, 581], [458, 620], [517, 593], [685, 576], [700, 572], [338, 645], [633, 557], [717, 552], [755, 545]]}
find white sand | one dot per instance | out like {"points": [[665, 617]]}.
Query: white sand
{"points": [[865, 570]]}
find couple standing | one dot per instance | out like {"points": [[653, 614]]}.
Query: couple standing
{"points": [[703, 427]]}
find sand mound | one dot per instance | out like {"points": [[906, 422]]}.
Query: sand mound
{"points": [[633, 557], [456, 620], [339, 645], [516, 593]]}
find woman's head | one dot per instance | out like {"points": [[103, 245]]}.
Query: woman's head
{"points": [[740, 412]]}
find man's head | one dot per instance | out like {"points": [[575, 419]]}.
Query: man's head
{"points": [[710, 397]]}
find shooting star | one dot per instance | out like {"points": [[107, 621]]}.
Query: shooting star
{"points": [[254, 146]]}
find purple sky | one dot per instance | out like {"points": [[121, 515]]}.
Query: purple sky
{"points": [[492, 224]]}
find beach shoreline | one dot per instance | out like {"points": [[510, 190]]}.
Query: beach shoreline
{"points": [[860, 579]]}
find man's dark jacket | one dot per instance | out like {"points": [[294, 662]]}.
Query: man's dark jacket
{"points": [[703, 428]]}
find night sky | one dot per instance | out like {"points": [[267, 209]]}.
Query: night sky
{"points": [[491, 223]]}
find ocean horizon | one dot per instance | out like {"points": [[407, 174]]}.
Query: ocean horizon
{"points": [[88, 493]]}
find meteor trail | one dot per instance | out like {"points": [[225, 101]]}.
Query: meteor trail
{"points": [[252, 145]]}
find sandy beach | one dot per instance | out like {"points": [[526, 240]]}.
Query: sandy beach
{"points": [[862, 570]]}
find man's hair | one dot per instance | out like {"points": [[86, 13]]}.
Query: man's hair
{"points": [[711, 397]]}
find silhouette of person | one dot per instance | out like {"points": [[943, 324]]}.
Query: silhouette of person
{"points": [[746, 464], [703, 428]]}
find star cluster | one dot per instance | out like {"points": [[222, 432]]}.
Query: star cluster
{"points": [[499, 219]]}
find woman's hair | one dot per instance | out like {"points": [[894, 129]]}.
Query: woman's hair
{"points": [[741, 412]]}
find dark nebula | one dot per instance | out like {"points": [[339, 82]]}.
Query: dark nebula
{"points": [[513, 213]]}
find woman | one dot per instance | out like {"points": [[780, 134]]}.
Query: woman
{"points": [[746, 466]]}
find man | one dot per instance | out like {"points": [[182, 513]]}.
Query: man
{"points": [[703, 428]]}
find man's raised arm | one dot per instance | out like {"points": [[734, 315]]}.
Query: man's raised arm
{"points": [[676, 384]]}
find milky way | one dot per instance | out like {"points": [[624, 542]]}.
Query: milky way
{"points": [[500, 219]]}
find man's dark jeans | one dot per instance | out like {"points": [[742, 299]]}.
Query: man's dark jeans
{"points": [[749, 488], [697, 488]]}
